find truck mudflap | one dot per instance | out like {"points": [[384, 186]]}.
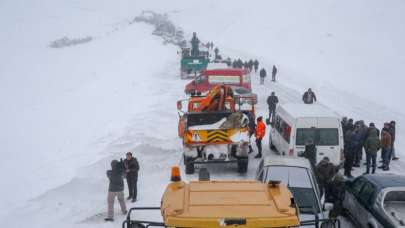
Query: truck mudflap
{"points": [[242, 222]]}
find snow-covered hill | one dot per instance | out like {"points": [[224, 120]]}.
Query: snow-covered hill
{"points": [[66, 112]]}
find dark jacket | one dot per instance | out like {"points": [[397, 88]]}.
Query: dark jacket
{"points": [[370, 129], [325, 171], [310, 154], [116, 178], [391, 130], [274, 71], [349, 145], [263, 73], [272, 101], [133, 167], [309, 97], [372, 144]]}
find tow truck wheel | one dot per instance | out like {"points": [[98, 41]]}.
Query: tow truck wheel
{"points": [[188, 162], [242, 165]]}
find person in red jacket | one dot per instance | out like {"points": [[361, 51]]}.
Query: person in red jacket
{"points": [[260, 132]]}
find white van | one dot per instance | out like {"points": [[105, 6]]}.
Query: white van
{"points": [[296, 124]]}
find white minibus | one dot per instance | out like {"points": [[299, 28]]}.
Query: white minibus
{"points": [[297, 124]]}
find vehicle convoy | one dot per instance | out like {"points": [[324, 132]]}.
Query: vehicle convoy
{"points": [[214, 128], [300, 179], [376, 200], [296, 124], [210, 78], [216, 203]]}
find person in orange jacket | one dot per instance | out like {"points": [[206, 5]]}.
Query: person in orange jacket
{"points": [[260, 132]]}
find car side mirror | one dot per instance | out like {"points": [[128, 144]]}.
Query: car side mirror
{"points": [[328, 206]]}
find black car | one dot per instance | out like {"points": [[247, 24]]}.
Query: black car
{"points": [[376, 200]]}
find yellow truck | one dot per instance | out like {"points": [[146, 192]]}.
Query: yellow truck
{"points": [[219, 204]]}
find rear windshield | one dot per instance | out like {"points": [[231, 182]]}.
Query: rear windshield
{"points": [[320, 136]]}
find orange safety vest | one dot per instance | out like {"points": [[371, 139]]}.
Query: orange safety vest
{"points": [[260, 130]]}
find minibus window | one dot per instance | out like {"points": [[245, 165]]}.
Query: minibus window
{"points": [[328, 137], [304, 135], [320, 136], [283, 128]]}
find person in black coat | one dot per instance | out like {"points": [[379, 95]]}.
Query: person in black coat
{"points": [[274, 73], [272, 102], [349, 149], [131, 169], [309, 97], [310, 152], [115, 189], [256, 65], [391, 130], [262, 74]]}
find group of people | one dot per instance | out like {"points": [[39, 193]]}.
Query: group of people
{"points": [[263, 74], [358, 136], [248, 65], [128, 169]]}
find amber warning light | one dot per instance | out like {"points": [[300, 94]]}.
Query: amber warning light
{"points": [[175, 177]]}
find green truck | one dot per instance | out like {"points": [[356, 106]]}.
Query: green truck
{"points": [[191, 66]]}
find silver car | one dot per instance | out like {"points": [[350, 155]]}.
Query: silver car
{"points": [[297, 174]]}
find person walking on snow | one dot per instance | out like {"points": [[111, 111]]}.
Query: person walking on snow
{"points": [[272, 101], [256, 65], [260, 132], [115, 189], [372, 146], [131, 169], [309, 97], [263, 75], [273, 73]]}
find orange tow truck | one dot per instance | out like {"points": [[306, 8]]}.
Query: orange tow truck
{"points": [[214, 128]]}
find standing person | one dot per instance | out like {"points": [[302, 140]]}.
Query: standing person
{"points": [[348, 151], [309, 97], [256, 65], [392, 132], [216, 52], [364, 134], [115, 189], [131, 169], [250, 64], [273, 73], [252, 130], [194, 45], [372, 145], [310, 152], [325, 170], [260, 132], [386, 143], [263, 75], [272, 102], [344, 124], [357, 145]]}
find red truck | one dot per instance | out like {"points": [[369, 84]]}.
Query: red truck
{"points": [[210, 78]]}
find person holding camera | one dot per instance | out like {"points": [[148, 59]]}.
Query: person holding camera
{"points": [[115, 189], [131, 166]]}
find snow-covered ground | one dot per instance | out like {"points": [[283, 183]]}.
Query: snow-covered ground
{"points": [[66, 112]]}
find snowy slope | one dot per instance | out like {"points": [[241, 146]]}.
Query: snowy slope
{"points": [[67, 112]]}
